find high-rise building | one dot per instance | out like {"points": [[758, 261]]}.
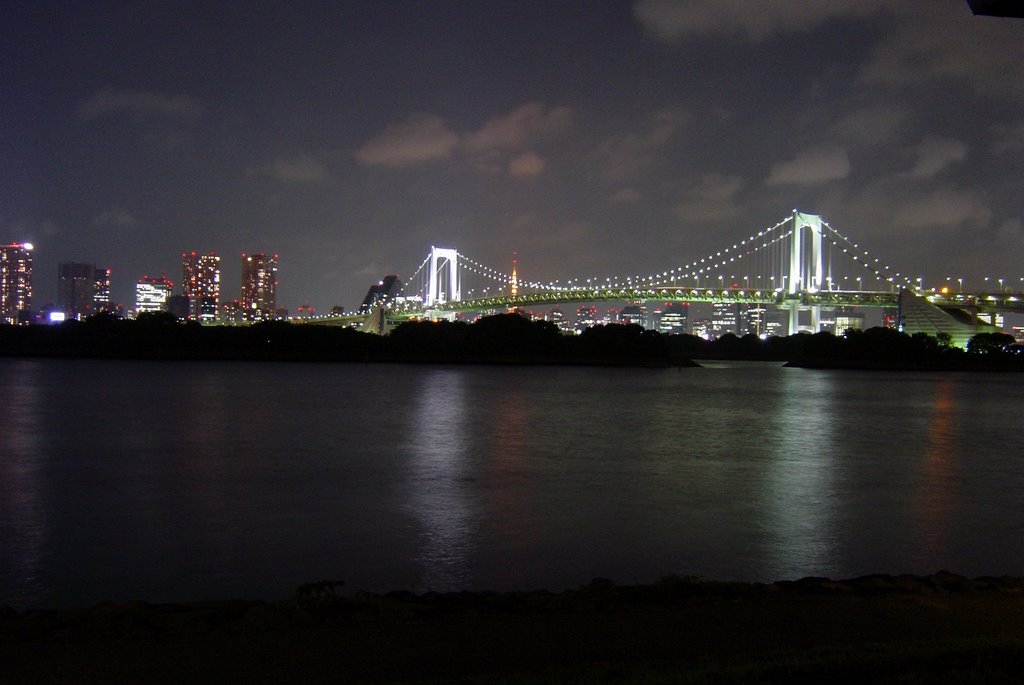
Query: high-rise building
{"points": [[101, 291], [724, 318], [673, 318], [754, 319], [15, 282], [76, 283], [586, 316], [635, 313], [259, 285], [557, 317], [151, 294], [200, 283], [382, 292]]}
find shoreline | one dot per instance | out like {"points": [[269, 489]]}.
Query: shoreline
{"points": [[600, 632]]}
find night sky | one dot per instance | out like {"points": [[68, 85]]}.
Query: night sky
{"points": [[593, 138]]}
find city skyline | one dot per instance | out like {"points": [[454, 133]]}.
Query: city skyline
{"points": [[590, 138]]}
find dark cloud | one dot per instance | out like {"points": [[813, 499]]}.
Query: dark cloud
{"points": [[519, 127], [811, 167], [675, 20], [919, 48], [711, 198], [115, 218], [419, 138], [296, 169], [935, 154], [527, 164], [109, 101]]}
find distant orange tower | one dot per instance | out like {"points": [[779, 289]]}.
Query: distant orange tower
{"points": [[514, 283]]}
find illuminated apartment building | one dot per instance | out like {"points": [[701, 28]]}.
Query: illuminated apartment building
{"points": [[634, 313], [259, 285], [586, 316], [673, 318], [200, 283], [15, 282], [724, 318], [151, 294], [101, 291]]}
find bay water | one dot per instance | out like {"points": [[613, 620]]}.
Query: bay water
{"points": [[184, 481]]}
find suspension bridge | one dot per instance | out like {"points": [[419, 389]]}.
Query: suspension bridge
{"points": [[801, 266]]}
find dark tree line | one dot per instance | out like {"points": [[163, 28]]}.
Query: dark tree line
{"points": [[504, 338]]}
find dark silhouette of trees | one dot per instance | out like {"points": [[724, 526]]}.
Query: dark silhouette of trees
{"points": [[989, 343], [503, 339]]}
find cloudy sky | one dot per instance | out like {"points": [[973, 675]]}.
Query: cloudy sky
{"points": [[594, 138]]}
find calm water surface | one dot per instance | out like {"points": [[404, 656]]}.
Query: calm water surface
{"points": [[187, 481]]}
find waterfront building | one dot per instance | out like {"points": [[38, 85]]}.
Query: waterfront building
{"points": [[776, 323], [634, 312], [151, 294], [847, 321], [754, 319], [673, 318], [16, 282], [101, 291], [724, 318], [259, 285], [702, 328], [76, 285], [586, 316], [992, 319], [385, 291], [200, 283], [557, 317], [232, 311]]}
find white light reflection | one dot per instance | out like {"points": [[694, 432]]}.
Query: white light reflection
{"points": [[799, 480], [437, 479]]}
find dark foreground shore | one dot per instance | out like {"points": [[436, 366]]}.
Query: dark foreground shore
{"points": [[942, 628]]}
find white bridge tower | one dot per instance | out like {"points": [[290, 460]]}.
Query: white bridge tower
{"points": [[805, 270], [443, 260]]}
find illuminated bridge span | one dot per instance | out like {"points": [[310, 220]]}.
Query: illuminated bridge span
{"points": [[801, 265]]}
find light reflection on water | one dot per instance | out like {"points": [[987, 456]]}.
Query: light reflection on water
{"points": [[173, 481], [440, 493]]}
